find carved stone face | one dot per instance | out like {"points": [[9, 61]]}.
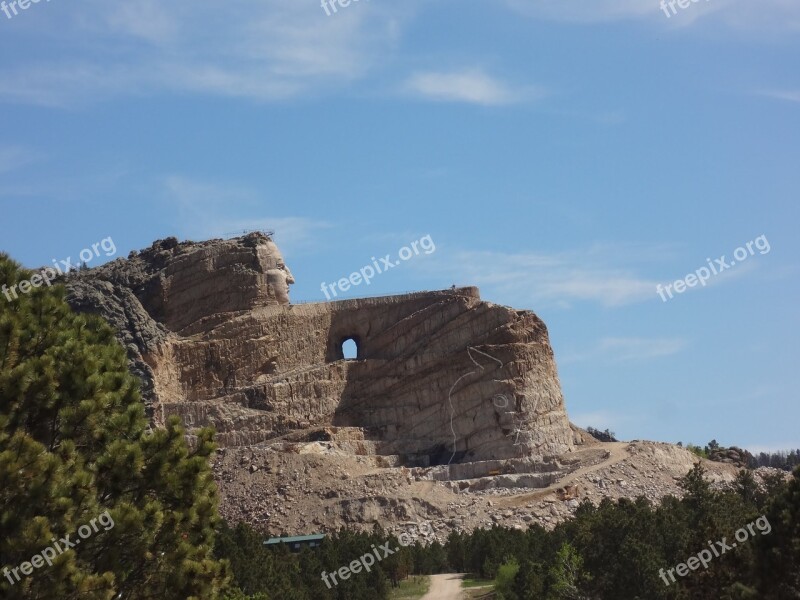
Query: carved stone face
{"points": [[279, 277]]}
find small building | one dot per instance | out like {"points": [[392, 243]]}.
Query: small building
{"points": [[297, 542]]}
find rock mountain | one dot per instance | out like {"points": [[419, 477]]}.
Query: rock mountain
{"points": [[451, 411]]}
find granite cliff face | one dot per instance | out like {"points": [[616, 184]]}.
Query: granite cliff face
{"points": [[441, 377], [153, 295], [451, 412]]}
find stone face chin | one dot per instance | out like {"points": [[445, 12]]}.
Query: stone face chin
{"points": [[441, 377]]}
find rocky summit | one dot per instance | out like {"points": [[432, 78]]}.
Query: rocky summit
{"points": [[451, 412]]}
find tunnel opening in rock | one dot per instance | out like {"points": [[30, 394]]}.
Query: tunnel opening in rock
{"points": [[444, 455], [349, 349]]}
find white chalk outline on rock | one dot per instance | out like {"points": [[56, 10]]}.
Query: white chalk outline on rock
{"points": [[505, 402], [513, 414], [517, 430], [452, 387]]}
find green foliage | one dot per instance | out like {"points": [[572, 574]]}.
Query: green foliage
{"points": [[504, 581], [73, 444], [531, 580], [778, 554], [603, 436], [274, 573], [567, 574], [786, 460], [701, 452], [412, 588], [614, 550]]}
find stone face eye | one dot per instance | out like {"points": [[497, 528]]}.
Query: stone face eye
{"points": [[500, 401]]}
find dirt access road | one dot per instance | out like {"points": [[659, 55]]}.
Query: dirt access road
{"points": [[445, 587], [617, 452]]}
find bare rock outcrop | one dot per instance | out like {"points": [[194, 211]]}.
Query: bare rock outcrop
{"points": [[441, 377], [451, 412], [733, 456], [161, 289]]}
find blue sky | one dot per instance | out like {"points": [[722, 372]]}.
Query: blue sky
{"points": [[564, 156]]}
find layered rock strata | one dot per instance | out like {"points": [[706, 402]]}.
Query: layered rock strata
{"points": [[440, 378], [451, 412]]}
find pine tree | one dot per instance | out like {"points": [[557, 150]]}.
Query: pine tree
{"points": [[74, 445], [778, 552], [567, 574]]}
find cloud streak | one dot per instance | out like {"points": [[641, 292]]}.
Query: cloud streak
{"points": [[15, 157], [557, 279], [628, 349], [787, 95], [765, 15], [266, 51], [472, 86], [599, 419], [205, 211]]}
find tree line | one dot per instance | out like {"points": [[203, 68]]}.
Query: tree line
{"points": [[621, 550], [786, 460]]}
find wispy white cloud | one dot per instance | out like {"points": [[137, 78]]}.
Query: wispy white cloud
{"points": [[60, 186], [64, 83], [770, 448], [600, 419], [16, 157], [276, 50], [612, 275], [765, 15], [611, 288], [295, 235], [597, 274], [788, 95], [626, 349], [583, 10], [145, 19], [196, 195], [264, 51], [210, 209], [472, 86]]}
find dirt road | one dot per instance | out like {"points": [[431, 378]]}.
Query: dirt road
{"points": [[618, 451], [445, 587]]}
